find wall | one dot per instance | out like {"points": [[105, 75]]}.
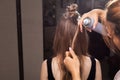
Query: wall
{"points": [[9, 69], [32, 39]]}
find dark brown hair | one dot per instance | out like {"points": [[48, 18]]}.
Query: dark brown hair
{"points": [[66, 30]]}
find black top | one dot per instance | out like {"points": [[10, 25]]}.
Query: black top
{"points": [[93, 69], [49, 69], [91, 75]]}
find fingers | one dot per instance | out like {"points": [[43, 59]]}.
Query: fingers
{"points": [[91, 14], [80, 24], [72, 53], [67, 59], [95, 22], [88, 29], [67, 54]]}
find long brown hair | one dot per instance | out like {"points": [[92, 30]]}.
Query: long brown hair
{"points": [[113, 16], [67, 35]]}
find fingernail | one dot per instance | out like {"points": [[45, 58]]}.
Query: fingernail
{"points": [[70, 48], [93, 27], [80, 30], [90, 30]]}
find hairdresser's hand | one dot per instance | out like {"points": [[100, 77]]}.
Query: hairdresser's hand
{"points": [[94, 14], [72, 64]]}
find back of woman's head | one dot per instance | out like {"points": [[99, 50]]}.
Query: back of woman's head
{"points": [[68, 34]]}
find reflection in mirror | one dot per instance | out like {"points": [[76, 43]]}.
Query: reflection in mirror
{"points": [[52, 10], [49, 24]]}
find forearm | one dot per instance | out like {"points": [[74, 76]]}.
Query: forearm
{"points": [[98, 11], [76, 76]]}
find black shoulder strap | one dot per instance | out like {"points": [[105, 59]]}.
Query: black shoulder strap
{"points": [[93, 69], [49, 69]]}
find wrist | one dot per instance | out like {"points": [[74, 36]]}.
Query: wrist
{"points": [[76, 76], [98, 11], [101, 14]]}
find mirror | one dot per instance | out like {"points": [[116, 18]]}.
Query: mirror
{"points": [[52, 11]]}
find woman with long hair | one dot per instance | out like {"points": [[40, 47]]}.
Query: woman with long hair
{"points": [[68, 35]]}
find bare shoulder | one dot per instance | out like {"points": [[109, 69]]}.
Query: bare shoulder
{"points": [[54, 59], [86, 67], [44, 63], [98, 70], [87, 61], [43, 74], [117, 76]]}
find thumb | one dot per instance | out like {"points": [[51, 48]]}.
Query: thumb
{"points": [[66, 53], [95, 23]]}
